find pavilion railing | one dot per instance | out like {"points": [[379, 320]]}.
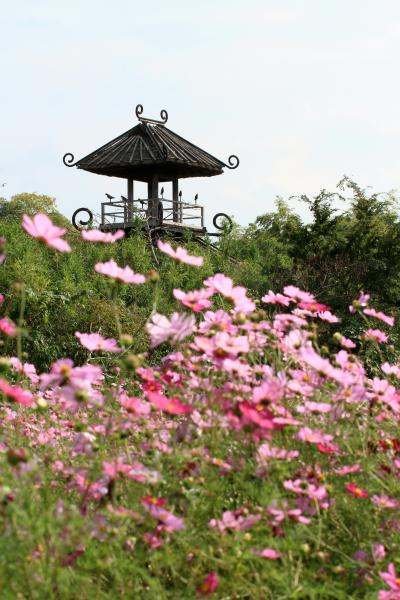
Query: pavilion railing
{"points": [[155, 210]]}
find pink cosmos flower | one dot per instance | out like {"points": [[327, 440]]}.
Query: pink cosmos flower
{"points": [[197, 300], [371, 312], [313, 307], [355, 490], [133, 471], [94, 342], [375, 335], [393, 581], [8, 327], [314, 360], [306, 434], [304, 487], [134, 405], [378, 552], [298, 295], [266, 452], [385, 502], [391, 369], [317, 407], [346, 343], [16, 393], [327, 316], [268, 553], [209, 584], [27, 369], [95, 235], [345, 470], [169, 405], [234, 521], [279, 515], [221, 284], [272, 298], [169, 520], [41, 228], [1, 299], [218, 321], [126, 275], [362, 301], [161, 329], [180, 254]]}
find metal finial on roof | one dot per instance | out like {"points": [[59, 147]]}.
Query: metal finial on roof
{"points": [[68, 160], [233, 162], [163, 115]]}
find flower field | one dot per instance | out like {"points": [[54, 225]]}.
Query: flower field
{"points": [[247, 454]]}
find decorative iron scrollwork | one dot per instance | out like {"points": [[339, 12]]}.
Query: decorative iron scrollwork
{"points": [[68, 160], [233, 162], [163, 115], [225, 225], [82, 223]]}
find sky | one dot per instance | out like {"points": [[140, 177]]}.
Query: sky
{"points": [[303, 91]]}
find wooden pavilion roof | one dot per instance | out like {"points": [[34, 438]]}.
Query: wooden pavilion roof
{"points": [[149, 149]]}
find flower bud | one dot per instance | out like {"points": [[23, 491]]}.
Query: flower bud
{"points": [[42, 403], [153, 276], [81, 396], [5, 364], [133, 361], [126, 340]]}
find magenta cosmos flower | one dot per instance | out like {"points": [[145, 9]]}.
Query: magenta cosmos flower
{"points": [[95, 235], [355, 490], [169, 405], [94, 341], [180, 254], [7, 327], [209, 584], [126, 275], [16, 393], [41, 228]]}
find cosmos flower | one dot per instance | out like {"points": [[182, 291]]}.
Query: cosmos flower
{"points": [[375, 335], [126, 275], [355, 490], [161, 329], [371, 312], [8, 327], [197, 300], [41, 228], [268, 553], [272, 298], [95, 235], [180, 254], [16, 393], [209, 585], [169, 405], [94, 342]]}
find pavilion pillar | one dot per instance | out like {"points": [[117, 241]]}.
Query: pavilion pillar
{"points": [[175, 201], [152, 210], [130, 200]]}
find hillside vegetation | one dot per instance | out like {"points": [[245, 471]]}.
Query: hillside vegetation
{"points": [[336, 255], [241, 447]]}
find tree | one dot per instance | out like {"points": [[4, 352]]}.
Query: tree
{"points": [[11, 211]]}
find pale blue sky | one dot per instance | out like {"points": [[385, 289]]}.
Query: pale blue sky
{"points": [[302, 90]]}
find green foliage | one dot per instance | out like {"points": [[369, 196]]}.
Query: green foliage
{"points": [[11, 211]]}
